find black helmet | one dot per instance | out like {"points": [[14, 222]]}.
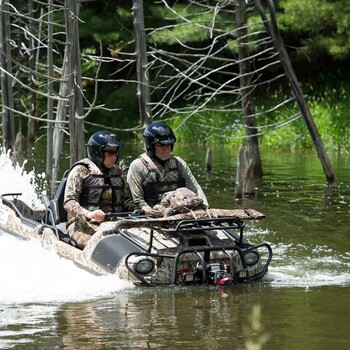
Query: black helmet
{"points": [[98, 141], [160, 133]]}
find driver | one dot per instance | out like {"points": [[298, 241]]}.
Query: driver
{"points": [[95, 186]]}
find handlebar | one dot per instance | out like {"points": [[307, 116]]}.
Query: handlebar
{"points": [[125, 214]]}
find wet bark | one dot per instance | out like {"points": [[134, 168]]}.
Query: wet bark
{"points": [[251, 169], [8, 128], [272, 28], [141, 64]]}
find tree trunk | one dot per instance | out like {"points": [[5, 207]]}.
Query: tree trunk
{"points": [[141, 64], [76, 108], [59, 128], [239, 173], [71, 93], [8, 127], [50, 74], [255, 168], [32, 98], [272, 28]]}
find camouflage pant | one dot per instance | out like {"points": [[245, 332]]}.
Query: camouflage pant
{"points": [[81, 232]]}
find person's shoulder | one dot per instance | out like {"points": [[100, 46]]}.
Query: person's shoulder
{"points": [[140, 157], [79, 168], [85, 162], [180, 160], [177, 157], [139, 161]]}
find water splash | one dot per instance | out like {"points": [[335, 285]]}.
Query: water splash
{"points": [[15, 179], [302, 264], [32, 274]]}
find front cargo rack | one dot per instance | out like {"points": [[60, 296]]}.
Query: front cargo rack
{"points": [[226, 224]]}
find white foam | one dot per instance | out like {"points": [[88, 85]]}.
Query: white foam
{"points": [[30, 273], [287, 276], [15, 179]]}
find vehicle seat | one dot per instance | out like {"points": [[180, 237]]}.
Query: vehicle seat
{"points": [[56, 203]]}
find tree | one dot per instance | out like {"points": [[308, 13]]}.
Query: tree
{"points": [[141, 64], [252, 167], [272, 28], [8, 129]]}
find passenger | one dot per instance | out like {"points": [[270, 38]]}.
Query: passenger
{"points": [[95, 186], [157, 171]]}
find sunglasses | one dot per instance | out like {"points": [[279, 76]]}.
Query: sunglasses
{"points": [[162, 145], [112, 153]]}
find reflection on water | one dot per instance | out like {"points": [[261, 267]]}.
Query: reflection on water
{"points": [[191, 318], [303, 299], [158, 318]]}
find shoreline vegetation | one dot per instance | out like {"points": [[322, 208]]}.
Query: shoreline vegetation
{"points": [[329, 105]]}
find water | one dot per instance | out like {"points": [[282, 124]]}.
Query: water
{"points": [[47, 302]]}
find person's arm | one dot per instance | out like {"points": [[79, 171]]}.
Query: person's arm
{"points": [[190, 180], [72, 193], [136, 174], [73, 190]]}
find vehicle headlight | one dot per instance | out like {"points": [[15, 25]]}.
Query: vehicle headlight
{"points": [[144, 266], [251, 258]]}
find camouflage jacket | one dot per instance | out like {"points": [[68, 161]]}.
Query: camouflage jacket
{"points": [[79, 176]]}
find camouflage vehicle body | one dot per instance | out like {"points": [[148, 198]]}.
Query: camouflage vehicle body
{"points": [[204, 246]]}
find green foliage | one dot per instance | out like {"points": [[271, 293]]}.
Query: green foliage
{"points": [[319, 25], [329, 108], [123, 99], [213, 127], [188, 24], [88, 67], [106, 24]]}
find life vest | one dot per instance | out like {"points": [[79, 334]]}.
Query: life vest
{"points": [[101, 190], [160, 179]]}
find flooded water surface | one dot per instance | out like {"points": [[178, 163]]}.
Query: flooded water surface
{"points": [[302, 303]]}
